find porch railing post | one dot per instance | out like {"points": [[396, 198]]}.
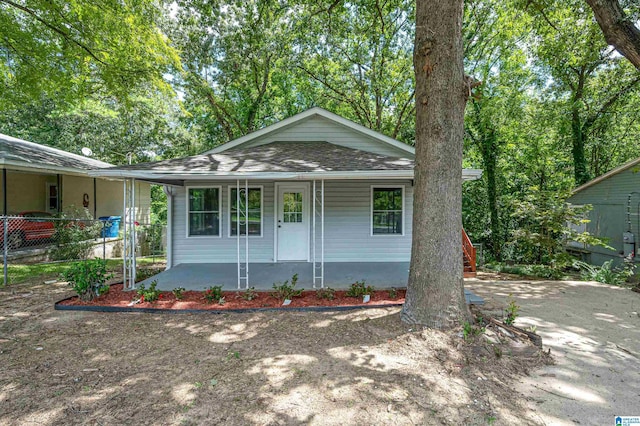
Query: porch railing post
{"points": [[322, 234]]}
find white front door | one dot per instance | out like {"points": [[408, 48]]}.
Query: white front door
{"points": [[292, 221]]}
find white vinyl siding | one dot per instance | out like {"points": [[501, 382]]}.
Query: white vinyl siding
{"points": [[347, 228], [316, 129]]}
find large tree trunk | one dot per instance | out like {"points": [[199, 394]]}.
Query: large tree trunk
{"points": [[435, 295], [618, 29]]}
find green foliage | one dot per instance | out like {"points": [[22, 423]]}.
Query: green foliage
{"points": [[74, 234], [88, 278], [144, 273], [511, 312], [177, 292], [326, 293], [284, 291], [607, 273], [469, 330], [359, 289], [393, 293], [71, 49], [249, 294], [214, 294], [549, 272], [150, 294]]}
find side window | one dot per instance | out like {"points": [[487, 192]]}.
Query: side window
{"points": [[387, 211], [204, 212]]}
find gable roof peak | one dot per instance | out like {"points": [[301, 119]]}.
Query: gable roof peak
{"points": [[312, 112]]}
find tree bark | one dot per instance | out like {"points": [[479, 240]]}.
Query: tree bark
{"points": [[618, 29], [435, 296]]}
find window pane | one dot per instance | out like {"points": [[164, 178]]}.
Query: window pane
{"points": [[254, 219], [204, 224], [387, 211], [203, 199]]}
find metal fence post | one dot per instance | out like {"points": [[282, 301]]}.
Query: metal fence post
{"points": [[104, 241], [5, 249]]}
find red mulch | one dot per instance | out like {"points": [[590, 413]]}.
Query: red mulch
{"points": [[233, 300]]}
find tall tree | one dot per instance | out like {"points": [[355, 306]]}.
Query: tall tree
{"points": [[619, 27], [435, 296]]}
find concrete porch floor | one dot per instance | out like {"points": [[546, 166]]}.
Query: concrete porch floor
{"points": [[262, 276]]}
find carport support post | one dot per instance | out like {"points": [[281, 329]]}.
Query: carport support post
{"points": [[4, 225]]}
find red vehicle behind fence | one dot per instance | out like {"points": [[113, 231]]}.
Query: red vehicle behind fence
{"points": [[27, 228]]}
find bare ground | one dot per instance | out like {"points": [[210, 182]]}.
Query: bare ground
{"points": [[593, 331], [364, 367]]}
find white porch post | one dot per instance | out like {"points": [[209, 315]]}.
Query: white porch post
{"points": [[318, 267], [129, 241], [243, 271]]}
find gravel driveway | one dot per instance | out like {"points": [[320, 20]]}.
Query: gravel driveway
{"points": [[593, 331]]}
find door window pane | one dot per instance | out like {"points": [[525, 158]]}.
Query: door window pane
{"points": [[292, 207]]}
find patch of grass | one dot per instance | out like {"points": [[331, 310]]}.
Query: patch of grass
{"points": [[18, 273]]}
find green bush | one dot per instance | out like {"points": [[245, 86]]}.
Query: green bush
{"points": [[607, 273], [284, 291], [88, 279], [326, 293], [214, 293], [359, 289], [74, 235], [149, 294], [177, 292]]}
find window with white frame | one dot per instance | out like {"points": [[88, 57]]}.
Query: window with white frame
{"points": [[204, 212], [386, 211], [250, 211]]}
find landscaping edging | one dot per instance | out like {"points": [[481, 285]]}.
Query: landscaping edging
{"points": [[94, 308]]}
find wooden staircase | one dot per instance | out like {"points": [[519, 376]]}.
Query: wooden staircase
{"points": [[468, 256]]}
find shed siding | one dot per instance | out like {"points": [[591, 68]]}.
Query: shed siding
{"points": [[321, 129], [347, 227], [609, 215]]}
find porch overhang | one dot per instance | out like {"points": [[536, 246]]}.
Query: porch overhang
{"points": [[177, 178]]}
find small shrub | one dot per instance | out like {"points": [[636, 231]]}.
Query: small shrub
{"points": [[249, 294], [606, 273], [393, 293], [177, 292], [88, 279], [326, 293], [74, 234], [150, 294], [511, 313], [214, 294], [469, 330], [144, 273], [284, 291], [359, 289]]}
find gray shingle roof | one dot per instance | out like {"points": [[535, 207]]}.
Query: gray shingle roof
{"points": [[280, 157], [32, 154]]}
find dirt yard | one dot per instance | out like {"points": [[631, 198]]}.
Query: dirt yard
{"points": [[362, 367], [593, 331]]}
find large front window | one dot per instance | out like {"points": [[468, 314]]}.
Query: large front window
{"points": [[250, 211], [386, 212], [204, 212]]}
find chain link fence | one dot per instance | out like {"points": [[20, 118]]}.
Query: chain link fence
{"points": [[38, 238]]}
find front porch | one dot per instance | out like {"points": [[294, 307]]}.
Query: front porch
{"points": [[262, 276]]}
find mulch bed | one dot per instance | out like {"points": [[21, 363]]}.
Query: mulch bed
{"points": [[194, 301]]}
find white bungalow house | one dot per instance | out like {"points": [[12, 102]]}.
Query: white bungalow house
{"points": [[315, 195]]}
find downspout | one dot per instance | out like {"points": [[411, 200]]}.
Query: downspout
{"points": [[169, 193], [95, 200]]}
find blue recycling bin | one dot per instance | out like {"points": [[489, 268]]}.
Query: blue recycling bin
{"points": [[111, 226]]}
